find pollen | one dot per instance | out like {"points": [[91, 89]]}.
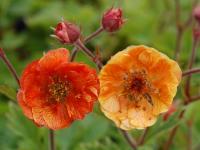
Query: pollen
{"points": [[58, 89], [137, 86]]}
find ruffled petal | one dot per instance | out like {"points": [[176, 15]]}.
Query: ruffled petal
{"points": [[56, 116], [25, 108], [54, 58]]}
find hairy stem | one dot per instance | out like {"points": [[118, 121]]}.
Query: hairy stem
{"points": [[129, 139], [87, 39], [51, 140], [95, 59], [9, 65]]}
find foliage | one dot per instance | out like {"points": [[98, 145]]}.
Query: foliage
{"points": [[24, 34]]}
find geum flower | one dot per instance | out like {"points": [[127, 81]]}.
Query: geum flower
{"points": [[54, 92], [136, 85]]}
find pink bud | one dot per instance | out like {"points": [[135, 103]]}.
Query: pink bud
{"points": [[196, 13], [112, 19], [67, 32]]}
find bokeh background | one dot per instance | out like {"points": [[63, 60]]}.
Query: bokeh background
{"points": [[24, 35]]}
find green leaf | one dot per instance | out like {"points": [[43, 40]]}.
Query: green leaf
{"points": [[8, 91], [162, 126], [91, 129], [30, 136]]}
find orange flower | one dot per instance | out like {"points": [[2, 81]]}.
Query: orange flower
{"points": [[136, 85], [55, 92]]}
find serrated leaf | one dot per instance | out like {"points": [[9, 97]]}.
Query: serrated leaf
{"points": [[8, 91]]}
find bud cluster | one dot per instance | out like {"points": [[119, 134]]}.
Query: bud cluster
{"points": [[68, 33]]}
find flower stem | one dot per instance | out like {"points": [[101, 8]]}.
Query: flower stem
{"points": [[129, 139], [190, 72], [9, 65], [173, 133], [95, 59], [190, 64], [51, 140], [87, 39], [142, 138], [181, 27], [193, 99]]}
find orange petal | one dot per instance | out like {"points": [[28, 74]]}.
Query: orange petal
{"points": [[38, 116], [25, 108], [54, 58], [56, 116]]}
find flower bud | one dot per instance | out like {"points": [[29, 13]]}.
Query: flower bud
{"points": [[67, 32], [112, 19], [196, 13]]}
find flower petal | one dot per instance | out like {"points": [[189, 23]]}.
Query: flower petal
{"points": [[56, 116], [54, 58], [26, 109]]}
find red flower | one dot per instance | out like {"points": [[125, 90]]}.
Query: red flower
{"points": [[54, 92], [112, 19], [67, 32]]}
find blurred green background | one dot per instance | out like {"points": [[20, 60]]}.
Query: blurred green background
{"points": [[24, 35]]}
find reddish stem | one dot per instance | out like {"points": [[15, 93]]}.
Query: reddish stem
{"points": [[80, 45], [129, 139], [173, 133], [190, 72], [190, 64], [192, 99], [181, 27], [142, 138], [189, 135], [87, 39], [9, 65]]}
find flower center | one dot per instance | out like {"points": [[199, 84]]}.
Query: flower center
{"points": [[58, 89], [137, 86]]}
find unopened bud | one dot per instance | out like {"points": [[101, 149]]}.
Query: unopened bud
{"points": [[112, 19], [67, 32]]}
